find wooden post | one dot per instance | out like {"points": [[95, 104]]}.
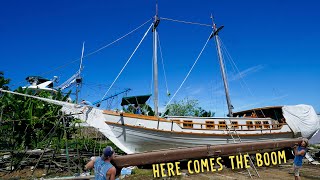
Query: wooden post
{"points": [[50, 138], [67, 150]]}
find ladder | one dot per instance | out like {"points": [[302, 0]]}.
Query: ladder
{"points": [[239, 139]]}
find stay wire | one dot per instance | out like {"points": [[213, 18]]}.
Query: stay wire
{"points": [[117, 39], [185, 22], [188, 72], [241, 77], [93, 52], [235, 66], [145, 34], [164, 71]]}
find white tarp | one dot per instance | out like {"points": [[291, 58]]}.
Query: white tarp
{"points": [[316, 137], [301, 119]]}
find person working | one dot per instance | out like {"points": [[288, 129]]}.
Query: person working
{"points": [[87, 103], [137, 109], [103, 169], [299, 153]]}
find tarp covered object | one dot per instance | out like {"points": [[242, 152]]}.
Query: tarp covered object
{"points": [[315, 139], [301, 119]]}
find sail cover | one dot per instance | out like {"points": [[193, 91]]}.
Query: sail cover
{"points": [[301, 119], [135, 100]]}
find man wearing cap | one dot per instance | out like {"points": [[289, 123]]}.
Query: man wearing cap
{"points": [[299, 153], [103, 169]]}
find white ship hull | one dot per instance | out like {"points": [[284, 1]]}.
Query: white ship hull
{"points": [[139, 140], [137, 133]]}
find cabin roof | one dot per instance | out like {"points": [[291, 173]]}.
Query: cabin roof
{"points": [[135, 99], [39, 78], [256, 109]]}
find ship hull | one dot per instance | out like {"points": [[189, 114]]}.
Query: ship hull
{"points": [[140, 133], [140, 139]]}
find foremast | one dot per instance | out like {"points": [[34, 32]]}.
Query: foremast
{"points": [[223, 73], [79, 78], [155, 62]]}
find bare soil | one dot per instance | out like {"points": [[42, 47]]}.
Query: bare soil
{"points": [[282, 172]]}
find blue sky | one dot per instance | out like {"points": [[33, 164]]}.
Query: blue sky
{"points": [[275, 45]]}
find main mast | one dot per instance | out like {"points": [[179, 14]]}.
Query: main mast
{"points": [[224, 76], [155, 62], [78, 78]]}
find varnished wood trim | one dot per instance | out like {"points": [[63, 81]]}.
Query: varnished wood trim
{"points": [[138, 116], [152, 118], [200, 134]]}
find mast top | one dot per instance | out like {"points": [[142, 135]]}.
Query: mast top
{"points": [[214, 27], [156, 18], [156, 8], [213, 24]]}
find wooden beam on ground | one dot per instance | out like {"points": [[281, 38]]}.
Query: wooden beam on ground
{"points": [[169, 155]]}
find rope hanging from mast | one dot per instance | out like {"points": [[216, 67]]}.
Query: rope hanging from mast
{"points": [[145, 34], [235, 67], [164, 71], [189, 71], [95, 51]]}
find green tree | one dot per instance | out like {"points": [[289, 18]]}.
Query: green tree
{"points": [[3, 81], [187, 107], [145, 109], [25, 121]]}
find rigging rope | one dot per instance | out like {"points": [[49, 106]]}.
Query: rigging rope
{"points": [[185, 22], [164, 71], [151, 85], [91, 53], [234, 66], [145, 34], [188, 72], [117, 39]]}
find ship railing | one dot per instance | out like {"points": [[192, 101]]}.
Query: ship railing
{"points": [[213, 126]]}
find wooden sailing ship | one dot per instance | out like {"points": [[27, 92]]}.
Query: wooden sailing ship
{"points": [[137, 133]]}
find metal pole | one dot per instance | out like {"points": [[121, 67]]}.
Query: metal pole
{"points": [[155, 63], [79, 76], [223, 73]]}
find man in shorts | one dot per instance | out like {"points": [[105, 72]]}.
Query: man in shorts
{"points": [[299, 153]]}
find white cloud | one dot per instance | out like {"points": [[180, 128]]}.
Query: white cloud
{"points": [[246, 72]]}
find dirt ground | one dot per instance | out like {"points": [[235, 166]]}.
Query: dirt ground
{"points": [[284, 171], [280, 172]]}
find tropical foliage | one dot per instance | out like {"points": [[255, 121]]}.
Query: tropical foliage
{"points": [[187, 107], [3, 82], [145, 109], [27, 123]]}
